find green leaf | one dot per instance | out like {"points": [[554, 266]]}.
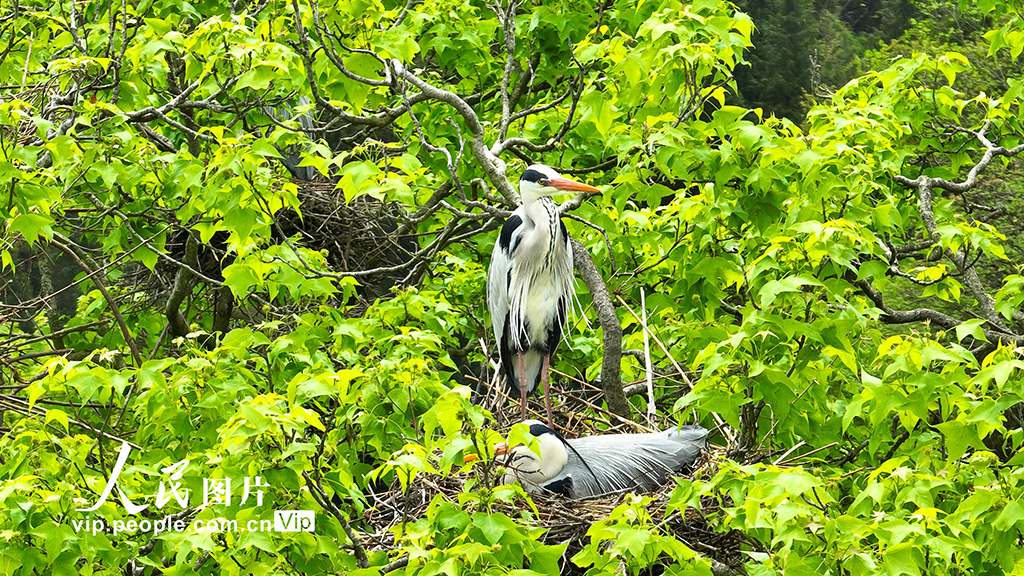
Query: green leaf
{"points": [[971, 328], [633, 541], [493, 526], [770, 291], [264, 148], [599, 111], [544, 559], [32, 226], [59, 416], [1011, 514], [900, 559], [959, 437], [255, 79]]}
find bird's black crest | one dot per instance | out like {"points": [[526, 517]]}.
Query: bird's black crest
{"points": [[538, 430], [505, 238], [532, 176]]}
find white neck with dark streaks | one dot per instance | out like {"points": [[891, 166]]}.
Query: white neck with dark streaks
{"points": [[543, 214]]}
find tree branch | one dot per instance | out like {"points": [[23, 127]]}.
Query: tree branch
{"points": [[925, 187], [74, 254], [611, 370], [493, 166], [182, 283]]}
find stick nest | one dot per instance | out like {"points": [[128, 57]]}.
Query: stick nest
{"points": [[567, 521], [357, 235]]}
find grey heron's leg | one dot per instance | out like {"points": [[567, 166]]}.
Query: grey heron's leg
{"points": [[546, 380], [522, 384]]}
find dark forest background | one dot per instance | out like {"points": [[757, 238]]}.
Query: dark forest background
{"points": [[804, 49]]}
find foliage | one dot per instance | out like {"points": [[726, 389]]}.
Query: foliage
{"points": [[144, 146]]}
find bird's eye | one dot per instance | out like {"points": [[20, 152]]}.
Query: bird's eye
{"points": [[542, 182]]}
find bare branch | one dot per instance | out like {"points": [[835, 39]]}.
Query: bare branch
{"points": [[21, 405], [405, 11], [162, 142], [925, 187], [493, 166], [513, 143], [991, 151], [66, 245], [332, 55], [607, 241], [541, 107], [697, 102], [893, 316], [182, 283], [321, 497], [605, 165], [611, 375], [507, 17]]}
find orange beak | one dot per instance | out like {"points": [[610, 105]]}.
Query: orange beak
{"points": [[499, 450], [570, 185]]}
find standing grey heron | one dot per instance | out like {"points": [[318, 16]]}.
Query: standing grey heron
{"points": [[597, 465], [530, 282], [291, 156]]}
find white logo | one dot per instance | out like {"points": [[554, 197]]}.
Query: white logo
{"points": [[221, 491], [293, 520], [215, 490]]}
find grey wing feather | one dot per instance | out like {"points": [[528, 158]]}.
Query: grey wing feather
{"points": [[620, 462], [293, 157], [497, 290], [498, 297]]}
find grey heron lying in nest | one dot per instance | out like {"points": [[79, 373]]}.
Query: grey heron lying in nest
{"points": [[599, 465]]}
